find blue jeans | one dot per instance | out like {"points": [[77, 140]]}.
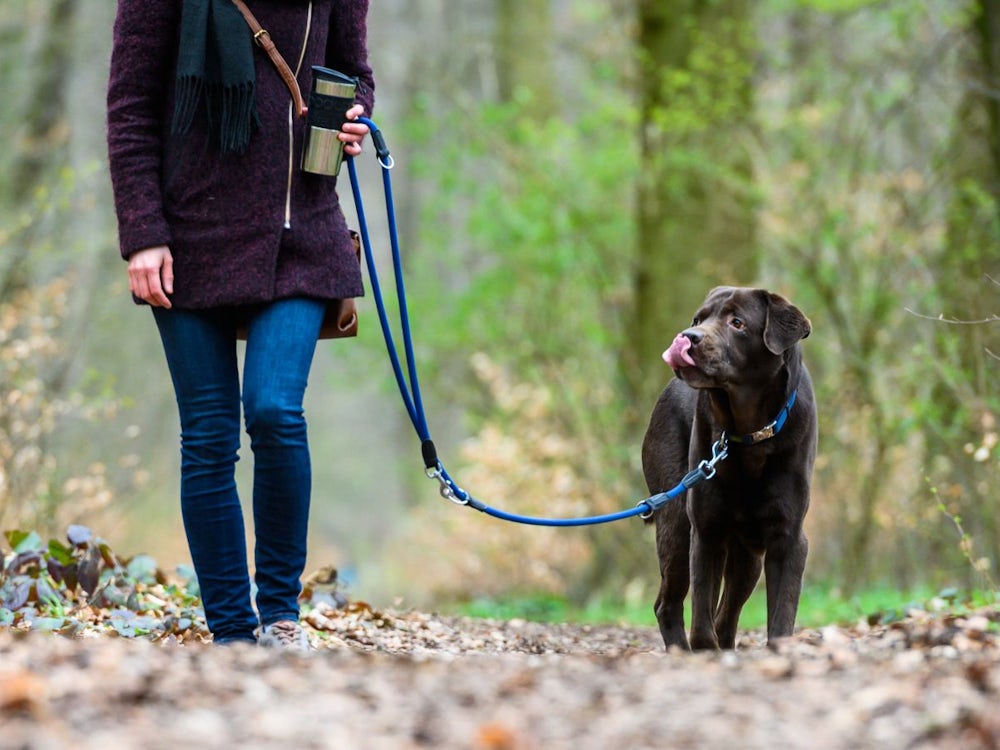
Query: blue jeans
{"points": [[200, 347]]}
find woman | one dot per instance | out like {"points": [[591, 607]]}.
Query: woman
{"points": [[222, 230]]}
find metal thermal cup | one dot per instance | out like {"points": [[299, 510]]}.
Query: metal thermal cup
{"points": [[331, 96]]}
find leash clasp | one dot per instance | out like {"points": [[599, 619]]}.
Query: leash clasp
{"points": [[447, 488], [720, 450], [706, 469]]}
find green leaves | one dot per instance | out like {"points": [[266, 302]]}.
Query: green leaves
{"points": [[67, 586]]}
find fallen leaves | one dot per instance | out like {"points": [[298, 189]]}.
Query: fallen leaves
{"points": [[80, 587], [21, 692], [136, 670], [387, 679]]}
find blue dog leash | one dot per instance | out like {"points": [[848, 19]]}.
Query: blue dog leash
{"points": [[409, 385]]}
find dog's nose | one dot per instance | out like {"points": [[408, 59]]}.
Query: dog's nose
{"points": [[693, 335]]}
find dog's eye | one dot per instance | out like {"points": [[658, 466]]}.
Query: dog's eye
{"points": [[696, 321], [738, 324]]}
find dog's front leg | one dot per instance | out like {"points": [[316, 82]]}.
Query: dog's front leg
{"points": [[784, 565], [708, 559], [673, 540]]}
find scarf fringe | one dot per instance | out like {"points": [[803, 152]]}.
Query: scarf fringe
{"points": [[230, 112], [232, 116], [215, 71], [188, 94]]}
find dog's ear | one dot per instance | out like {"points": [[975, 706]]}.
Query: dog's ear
{"points": [[785, 326]]}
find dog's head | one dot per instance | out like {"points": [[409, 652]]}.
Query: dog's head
{"points": [[738, 337]]}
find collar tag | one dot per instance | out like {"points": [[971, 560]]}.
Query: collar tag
{"points": [[770, 430]]}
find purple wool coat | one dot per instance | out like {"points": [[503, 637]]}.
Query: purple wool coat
{"points": [[245, 228]]}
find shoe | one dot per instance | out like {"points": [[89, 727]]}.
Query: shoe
{"points": [[283, 634]]}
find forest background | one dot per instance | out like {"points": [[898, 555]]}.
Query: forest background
{"points": [[571, 177]]}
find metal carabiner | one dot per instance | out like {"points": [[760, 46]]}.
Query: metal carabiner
{"points": [[720, 450], [447, 490]]}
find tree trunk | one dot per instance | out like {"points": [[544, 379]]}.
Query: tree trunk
{"points": [[695, 216], [42, 135], [523, 50]]}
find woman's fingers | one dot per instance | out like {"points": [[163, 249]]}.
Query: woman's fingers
{"points": [[352, 133], [151, 275]]}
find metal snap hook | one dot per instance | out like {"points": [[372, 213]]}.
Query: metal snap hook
{"points": [[447, 490]]}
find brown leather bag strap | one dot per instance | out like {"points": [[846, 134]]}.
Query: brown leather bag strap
{"points": [[263, 40]]}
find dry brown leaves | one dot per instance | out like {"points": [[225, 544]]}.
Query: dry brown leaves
{"points": [[380, 679]]}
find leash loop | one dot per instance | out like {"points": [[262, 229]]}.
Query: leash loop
{"points": [[654, 503]]}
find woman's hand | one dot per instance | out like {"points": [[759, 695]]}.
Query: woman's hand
{"points": [[352, 132], [151, 275]]}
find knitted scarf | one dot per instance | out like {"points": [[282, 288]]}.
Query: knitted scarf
{"points": [[215, 66]]}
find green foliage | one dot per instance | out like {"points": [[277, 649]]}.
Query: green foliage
{"points": [[526, 257], [525, 264], [708, 87], [549, 608], [856, 187], [541, 268], [522, 277], [67, 586]]}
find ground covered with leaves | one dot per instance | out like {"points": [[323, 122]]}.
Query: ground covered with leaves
{"points": [[122, 660]]}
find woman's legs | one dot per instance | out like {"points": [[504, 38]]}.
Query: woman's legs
{"points": [[200, 348], [201, 353], [281, 341]]}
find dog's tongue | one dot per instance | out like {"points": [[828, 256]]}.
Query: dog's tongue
{"points": [[677, 355]]}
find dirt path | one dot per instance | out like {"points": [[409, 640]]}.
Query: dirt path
{"points": [[411, 680]]}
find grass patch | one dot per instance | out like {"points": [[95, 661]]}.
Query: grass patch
{"points": [[548, 608], [824, 605], [819, 605]]}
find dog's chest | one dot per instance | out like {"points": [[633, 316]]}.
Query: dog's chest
{"points": [[745, 488], [746, 465]]}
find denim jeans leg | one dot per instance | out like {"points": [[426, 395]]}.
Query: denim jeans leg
{"points": [[281, 341], [200, 348]]}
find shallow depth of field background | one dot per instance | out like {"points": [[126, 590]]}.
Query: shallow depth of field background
{"points": [[571, 177]]}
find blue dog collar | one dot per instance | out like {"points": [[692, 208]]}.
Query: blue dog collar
{"points": [[765, 432]]}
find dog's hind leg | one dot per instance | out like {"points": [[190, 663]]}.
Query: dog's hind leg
{"points": [[673, 540], [743, 570]]}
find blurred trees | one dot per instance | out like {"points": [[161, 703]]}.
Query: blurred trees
{"points": [[695, 210], [572, 176], [968, 279], [523, 49], [38, 122], [847, 206], [857, 165], [51, 226]]}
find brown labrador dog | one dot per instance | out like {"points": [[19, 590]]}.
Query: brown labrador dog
{"points": [[739, 378]]}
